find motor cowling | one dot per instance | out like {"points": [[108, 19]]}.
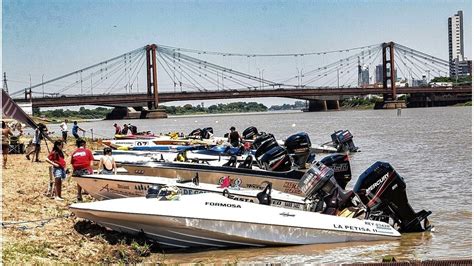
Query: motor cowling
{"points": [[298, 145], [383, 191], [263, 144], [342, 140], [276, 159], [249, 133], [262, 139], [207, 132], [341, 166], [319, 184], [197, 133]]}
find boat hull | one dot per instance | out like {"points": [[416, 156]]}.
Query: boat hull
{"points": [[246, 178], [209, 220], [103, 187]]}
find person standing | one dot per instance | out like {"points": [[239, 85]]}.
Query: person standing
{"points": [[75, 129], [6, 133], [56, 159], [107, 164], [37, 138], [81, 161], [234, 137], [63, 127]]}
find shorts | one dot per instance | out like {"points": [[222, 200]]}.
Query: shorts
{"points": [[5, 148], [59, 173], [106, 172], [64, 135], [80, 172], [75, 135]]}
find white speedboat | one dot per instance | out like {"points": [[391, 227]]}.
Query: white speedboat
{"points": [[212, 220], [122, 186]]}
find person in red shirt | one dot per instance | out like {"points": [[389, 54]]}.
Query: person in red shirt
{"points": [[81, 160], [56, 159]]}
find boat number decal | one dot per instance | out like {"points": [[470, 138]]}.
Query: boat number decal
{"points": [[139, 187], [291, 187], [141, 143], [220, 204]]}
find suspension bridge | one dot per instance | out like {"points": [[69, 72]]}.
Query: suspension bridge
{"points": [[155, 74]]}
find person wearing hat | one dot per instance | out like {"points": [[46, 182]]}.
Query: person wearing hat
{"points": [[234, 137], [118, 129]]}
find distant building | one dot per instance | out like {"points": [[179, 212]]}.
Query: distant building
{"points": [[456, 44], [461, 68], [363, 76], [378, 74]]}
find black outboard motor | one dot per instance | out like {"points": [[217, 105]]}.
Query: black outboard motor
{"points": [[342, 139], [383, 191], [250, 133], [298, 146], [261, 140], [319, 184], [207, 132], [264, 144], [341, 166], [276, 159], [197, 133], [153, 191], [264, 197]]}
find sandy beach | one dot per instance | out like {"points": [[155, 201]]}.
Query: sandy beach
{"points": [[55, 236]]}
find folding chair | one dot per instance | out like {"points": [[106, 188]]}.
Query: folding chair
{"points": [[15, 147]]}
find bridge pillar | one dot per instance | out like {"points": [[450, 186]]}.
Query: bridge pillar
{"points": [[152, 85], [389, 98], [332, 104], [317, 105]]}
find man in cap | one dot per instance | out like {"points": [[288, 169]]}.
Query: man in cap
{"points": [[234, 137]]}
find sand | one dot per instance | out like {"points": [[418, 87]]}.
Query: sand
{"points": [[57, 236]]}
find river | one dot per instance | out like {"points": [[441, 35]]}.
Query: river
{"points": [[430, 147]]}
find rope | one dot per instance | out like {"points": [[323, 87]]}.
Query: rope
{"points": [[42, 223]]}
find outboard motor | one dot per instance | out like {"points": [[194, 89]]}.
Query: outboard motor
{"points": [[319, 184], [342, 139], [383, 191], [276, 159], [341, 166], [262, 139], [232, 162], [197, 133], [207, 132], [250, 133], [298, 146], [265, 144]]}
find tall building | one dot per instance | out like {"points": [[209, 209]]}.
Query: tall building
{"points": [[455, 42], [378, 74], [363, 75]]}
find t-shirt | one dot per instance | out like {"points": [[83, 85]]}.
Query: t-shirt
{"points": [[63, 126], [74, 129], [57, 158], [81, 159]]}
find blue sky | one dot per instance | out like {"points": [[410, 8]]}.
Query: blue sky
{"points": [[52, 38]]}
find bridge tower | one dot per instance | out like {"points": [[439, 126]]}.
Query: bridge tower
{"points": [[152, 85], [388, 78]]}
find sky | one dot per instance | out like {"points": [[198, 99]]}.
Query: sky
{"points": [[46, 39]]}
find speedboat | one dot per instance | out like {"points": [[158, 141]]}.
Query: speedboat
{"points": [[212, 220], [341, 141], [121, 186]]}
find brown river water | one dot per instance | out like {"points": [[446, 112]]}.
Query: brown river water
{"points": [[430, 147]]}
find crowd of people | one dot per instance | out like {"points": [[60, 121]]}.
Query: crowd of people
{"points": [[81, 160]]}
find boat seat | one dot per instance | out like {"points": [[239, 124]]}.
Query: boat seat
{"points": [[232, 161], [247, 163]]}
